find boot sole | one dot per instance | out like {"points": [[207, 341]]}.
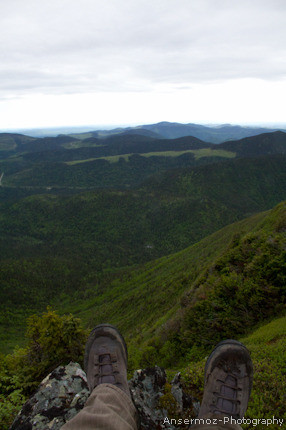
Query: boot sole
{"points": [[234, 343], [93, 334]]}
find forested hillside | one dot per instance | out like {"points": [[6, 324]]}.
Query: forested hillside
{"points": [[108, 229], [174, 241], [181, 305], [57, 242], [172, 312], [118, 161]]}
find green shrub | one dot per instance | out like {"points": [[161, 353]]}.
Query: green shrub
{"points": [[9, 407], [11, 394], [52, 340], [247, 285]]}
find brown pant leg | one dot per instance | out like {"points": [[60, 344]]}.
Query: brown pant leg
{"points": [[108, 408]]}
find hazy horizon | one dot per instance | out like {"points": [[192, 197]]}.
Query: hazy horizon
{"points": [[65, 129]]}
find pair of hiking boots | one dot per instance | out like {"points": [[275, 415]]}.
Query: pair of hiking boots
{"points": [[228, 371]]}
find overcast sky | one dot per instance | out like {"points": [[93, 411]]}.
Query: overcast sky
{"points": [[112, 62]]}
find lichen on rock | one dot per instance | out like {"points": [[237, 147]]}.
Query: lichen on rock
{"points": [[59, 397], [63, 393]]}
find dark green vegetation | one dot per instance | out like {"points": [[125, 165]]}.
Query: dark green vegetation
{"points": [[58, 162], [30, 165], [133, 237], [52, 245], [173, 311], [178, 307], [11, 141], [264, 144], [50, 339], [63, 242]]}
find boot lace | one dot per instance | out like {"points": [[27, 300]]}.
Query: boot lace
{"points": [[106, 374], [225, 401]]}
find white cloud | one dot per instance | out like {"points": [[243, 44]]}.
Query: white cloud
{"points": [[66, 47], [240, 101]]}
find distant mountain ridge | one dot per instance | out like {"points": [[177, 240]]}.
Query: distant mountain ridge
{"points": [[120, 161], [212, 134], [173, 130], [168, 130]]}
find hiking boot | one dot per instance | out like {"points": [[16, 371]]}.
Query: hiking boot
{"points": [[228, 381], [105, 359]]}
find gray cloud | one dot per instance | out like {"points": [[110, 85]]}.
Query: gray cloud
{"points": [[134, 45]]}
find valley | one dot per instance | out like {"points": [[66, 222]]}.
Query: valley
{"points": [[177, 241]]}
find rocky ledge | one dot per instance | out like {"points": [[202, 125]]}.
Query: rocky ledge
{"points": [[63, 393]]}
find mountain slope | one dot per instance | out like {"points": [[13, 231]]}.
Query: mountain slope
{"points": [[247, 183], [120, 161], [114, 162], [146, 296], [171, 312], [216, 134], [169, 213], [116, 145], [29, 284], [264, 144], [106, 230], [220, 287], [173, 130]]}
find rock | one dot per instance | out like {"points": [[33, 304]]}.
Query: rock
{"points": [[184, 400], [63, 393], [147, 387], [59, 397]]}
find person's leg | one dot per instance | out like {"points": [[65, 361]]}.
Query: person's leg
{"points": [[110, 405], [228, 383]]}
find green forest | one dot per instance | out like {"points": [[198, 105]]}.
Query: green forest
{"points": [[180, 243]]}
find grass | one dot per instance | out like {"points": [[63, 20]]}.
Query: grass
{"points": [[268, 349], [198, 153], [7, 143], [267, 345], [81, 144], [140, 299], [144, 298], [154, 304], [80, 136]]}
